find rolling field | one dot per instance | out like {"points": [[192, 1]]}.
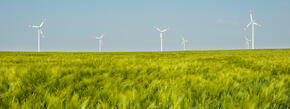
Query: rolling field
{"points": [[248, 79]]}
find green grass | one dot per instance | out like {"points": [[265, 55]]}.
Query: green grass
{"points": [[248, 79]]}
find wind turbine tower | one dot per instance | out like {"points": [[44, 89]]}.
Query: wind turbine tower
{"points": [[161, 36], [183, 42], [247, 42], [100, 42], [252, 23], [39, 31]]}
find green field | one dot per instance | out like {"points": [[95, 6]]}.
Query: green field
{"points": [[248, 79]]}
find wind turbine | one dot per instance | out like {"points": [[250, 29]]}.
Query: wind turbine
{"points": [[100, 41], [39, 31], [253, 23], [247, 42], [183, 42], [161, 35]]}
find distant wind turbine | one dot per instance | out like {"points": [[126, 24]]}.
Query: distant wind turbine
{"points": [[39, 31], [247, 42], [161, 36], [253, 23], [100, 41], [183, 42]]}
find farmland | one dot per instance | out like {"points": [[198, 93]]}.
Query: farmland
{"points": [[185, 79]]}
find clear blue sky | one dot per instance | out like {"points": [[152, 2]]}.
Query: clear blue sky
{"points": [[127, 24]]}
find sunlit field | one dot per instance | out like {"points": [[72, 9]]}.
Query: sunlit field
{"points": [[248, 79]]}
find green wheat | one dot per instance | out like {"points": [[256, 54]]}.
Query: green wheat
{"points": [[248, 79]]}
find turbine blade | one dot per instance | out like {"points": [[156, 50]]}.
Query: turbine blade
{"points": [[102, 36], [42, 22], [258, 24], [247, 26], [156, 28], [165, 30], [251, 15], [33, 26], [41, 34]]}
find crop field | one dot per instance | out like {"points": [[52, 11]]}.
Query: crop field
{"points": [[248, 79]]}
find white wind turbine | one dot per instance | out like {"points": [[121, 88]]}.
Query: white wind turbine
{"points": [[161, 36], [39, 31], [253, 23], [100, 41], [183, 42], [247, 42]]}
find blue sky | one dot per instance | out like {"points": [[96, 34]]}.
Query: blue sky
{"points": [[127, 24]]}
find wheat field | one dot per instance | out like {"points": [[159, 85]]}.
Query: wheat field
{"points": [[247, 79]]}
